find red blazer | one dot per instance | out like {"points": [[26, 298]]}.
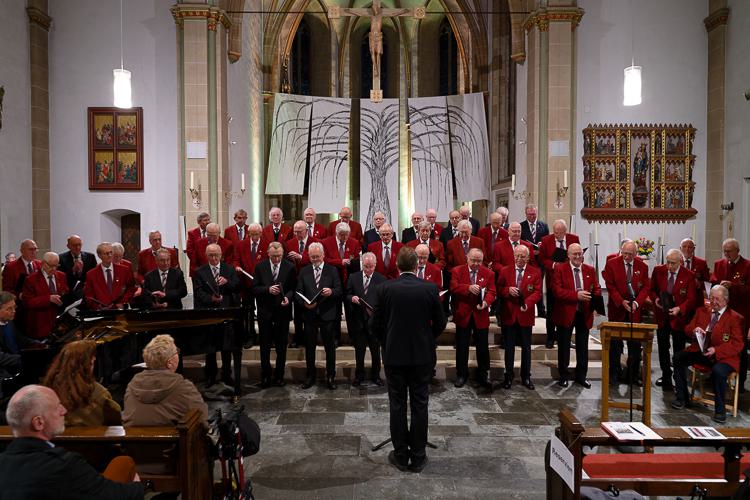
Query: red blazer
{"points": [[284, 234], [617, 288], [433, 274], [377, 249], [702, 274], [356, 230], [465, 303], [455, 250], [502, 255], [95, 290], [14, 271], [437, 230], [547, 248], [292, 245], [486, 234], [200, 253], [683, 293], [320, 233], [147, 262], [436, 249], [531, 290], [332, 257], [241, 257], [192, 238], [231, 233], [566, 297], [727, 338], [739, 292], [40, 312]]}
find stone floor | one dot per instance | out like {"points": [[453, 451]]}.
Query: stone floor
{"points": [[316, 444]]}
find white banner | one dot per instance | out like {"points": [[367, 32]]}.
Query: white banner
{"points": [[287, 159], [561, 461], [432, 182], [329, 154], [470, 149], [379, 158]]}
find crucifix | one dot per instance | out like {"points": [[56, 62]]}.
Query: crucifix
{"points": [[376, 14]]}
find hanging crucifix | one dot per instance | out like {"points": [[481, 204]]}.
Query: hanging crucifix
{"points": [[376, 14]]}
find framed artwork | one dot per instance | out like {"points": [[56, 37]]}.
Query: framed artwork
{"points": [[115, 148], [638, 173]]}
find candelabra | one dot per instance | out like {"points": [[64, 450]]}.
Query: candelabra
{"points": [[229, 195], [561, 192], [195, 193], [520, 196]]}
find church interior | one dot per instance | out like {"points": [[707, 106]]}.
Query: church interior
{"points": [[551, 122]]}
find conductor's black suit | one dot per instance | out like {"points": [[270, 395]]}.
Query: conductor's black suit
{"points": [[408, 318]]}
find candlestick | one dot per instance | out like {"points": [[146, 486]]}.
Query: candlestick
{"points": [[565, 179], [513, 182], [664, 233], [596, 233], [242, 177]]}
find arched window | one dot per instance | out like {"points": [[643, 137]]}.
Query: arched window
{"points": [[366, 58], [299, 60], [448, 59]]}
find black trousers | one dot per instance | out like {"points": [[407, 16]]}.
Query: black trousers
{"points": [[664, 337], [552, 329], [582, 348], [273, 331], [719, 372], [633, 362], [514, 335], [414, 381], [212, 368], [362, 338], [327, 333], [463, 340]]}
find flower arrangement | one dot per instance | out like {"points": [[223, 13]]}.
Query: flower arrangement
{"points": [[645, 247]]}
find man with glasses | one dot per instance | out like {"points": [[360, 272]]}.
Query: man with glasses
{"points": [[164, 287], [43, 296], [386, 250]]}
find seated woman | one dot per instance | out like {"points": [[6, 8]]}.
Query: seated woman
{"points": [[158, 395], [71, 376]]}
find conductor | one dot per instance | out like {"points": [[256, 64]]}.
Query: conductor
{"points": [[407, 319]]}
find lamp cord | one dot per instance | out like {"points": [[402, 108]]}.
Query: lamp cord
{"points": [[122, 65]]}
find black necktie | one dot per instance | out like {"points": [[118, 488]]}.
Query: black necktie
{"points": [[30, 268], [254, 250], [670, 283], [301, 247], [52, 287], [240, 232], [629, 273], [109, 280], [276, 232]]}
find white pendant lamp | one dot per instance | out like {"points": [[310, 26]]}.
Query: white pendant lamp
{"points": [[632, 86], [121, 87]]}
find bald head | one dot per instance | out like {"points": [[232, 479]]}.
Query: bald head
{"points": [[36, 411]]}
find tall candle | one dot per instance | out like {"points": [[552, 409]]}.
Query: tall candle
{"points": [[513, 182], [624, 231], [693, 231], [242, 177], [664, 233], [596, 233], [192, 180], [565, 179]]}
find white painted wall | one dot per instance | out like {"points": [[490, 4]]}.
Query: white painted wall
{"points": [[671, 46], [737, 121], [15, 136], [84, 49]]}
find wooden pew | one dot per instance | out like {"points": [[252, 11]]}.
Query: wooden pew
{"points": [[718, 473], [174, 458]]}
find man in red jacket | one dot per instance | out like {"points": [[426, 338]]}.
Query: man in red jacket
{"points": [[573, 284], [345, 215], [431, 217], [733, 272], [203, 219], [521, 286], [276, 230], [43, 295], [237, 231], [314, 230], [147, 256], [108, 285], [386, 250], [504, 252], [674, 284], [437, 252], [492, 234], [622, 275], [17, 271], [213, 237], [458, 248], [473, 291], [723, 339], [426, 270], [698, 266]]}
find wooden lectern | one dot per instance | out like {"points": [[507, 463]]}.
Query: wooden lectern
{"points": [[643, 333]]}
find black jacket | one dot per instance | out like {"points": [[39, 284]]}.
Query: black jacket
{"points": [[269, 306], [204, 287], [541, 231], [327, 306], [175, 289], [356, 286], [408, 234], [408, 318], [31, 469], [66, 266]]}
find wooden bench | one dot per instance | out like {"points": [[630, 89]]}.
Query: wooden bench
{"points": [[174, 458], [652, 474]]}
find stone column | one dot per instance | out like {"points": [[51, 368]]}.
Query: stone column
{"points": [[202, 48], [716, 25], [550, 94], [39, 23]]}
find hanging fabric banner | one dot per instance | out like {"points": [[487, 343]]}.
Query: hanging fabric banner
{"points": [[432, 182], [329, 154], [469, 146], [287, 159], [379, 157]]}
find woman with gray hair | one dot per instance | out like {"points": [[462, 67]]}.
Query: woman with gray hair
{"points": [[159, 395]]}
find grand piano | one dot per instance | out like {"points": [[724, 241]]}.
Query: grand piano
{"points": [[121, 335]]}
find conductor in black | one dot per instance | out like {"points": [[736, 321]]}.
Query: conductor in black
{"points": [[407, 319]]}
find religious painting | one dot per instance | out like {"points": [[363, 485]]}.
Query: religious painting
{"points": [[115, 148], [638, 173]]}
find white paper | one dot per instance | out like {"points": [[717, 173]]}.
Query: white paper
{"points": [[701, 338], [379, 159], [114, 431], [470, 150], [707, 286], [329, 154], [702, 432], [287, 159], [72, 306], [630, 431], [432, 179], [561, 461]]}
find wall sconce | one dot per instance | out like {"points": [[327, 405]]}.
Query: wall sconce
{"points": [[562, 191], [229, 195], [195, 192], [726, 207], [523, 195]]}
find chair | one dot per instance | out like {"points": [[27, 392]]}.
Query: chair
{"points": [[698, 381]]}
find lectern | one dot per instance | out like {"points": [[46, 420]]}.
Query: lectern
{"points": [[643, 333]]}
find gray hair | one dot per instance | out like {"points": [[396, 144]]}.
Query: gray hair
{"points": [[464, 224], [316, 246], [343, 227], [26, 404], [368, 256], [721, 288]]}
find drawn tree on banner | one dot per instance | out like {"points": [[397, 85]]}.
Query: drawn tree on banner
{"points": [[288, 154], [469, 152], [379, 154], [430, 148], [329, 152]]}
